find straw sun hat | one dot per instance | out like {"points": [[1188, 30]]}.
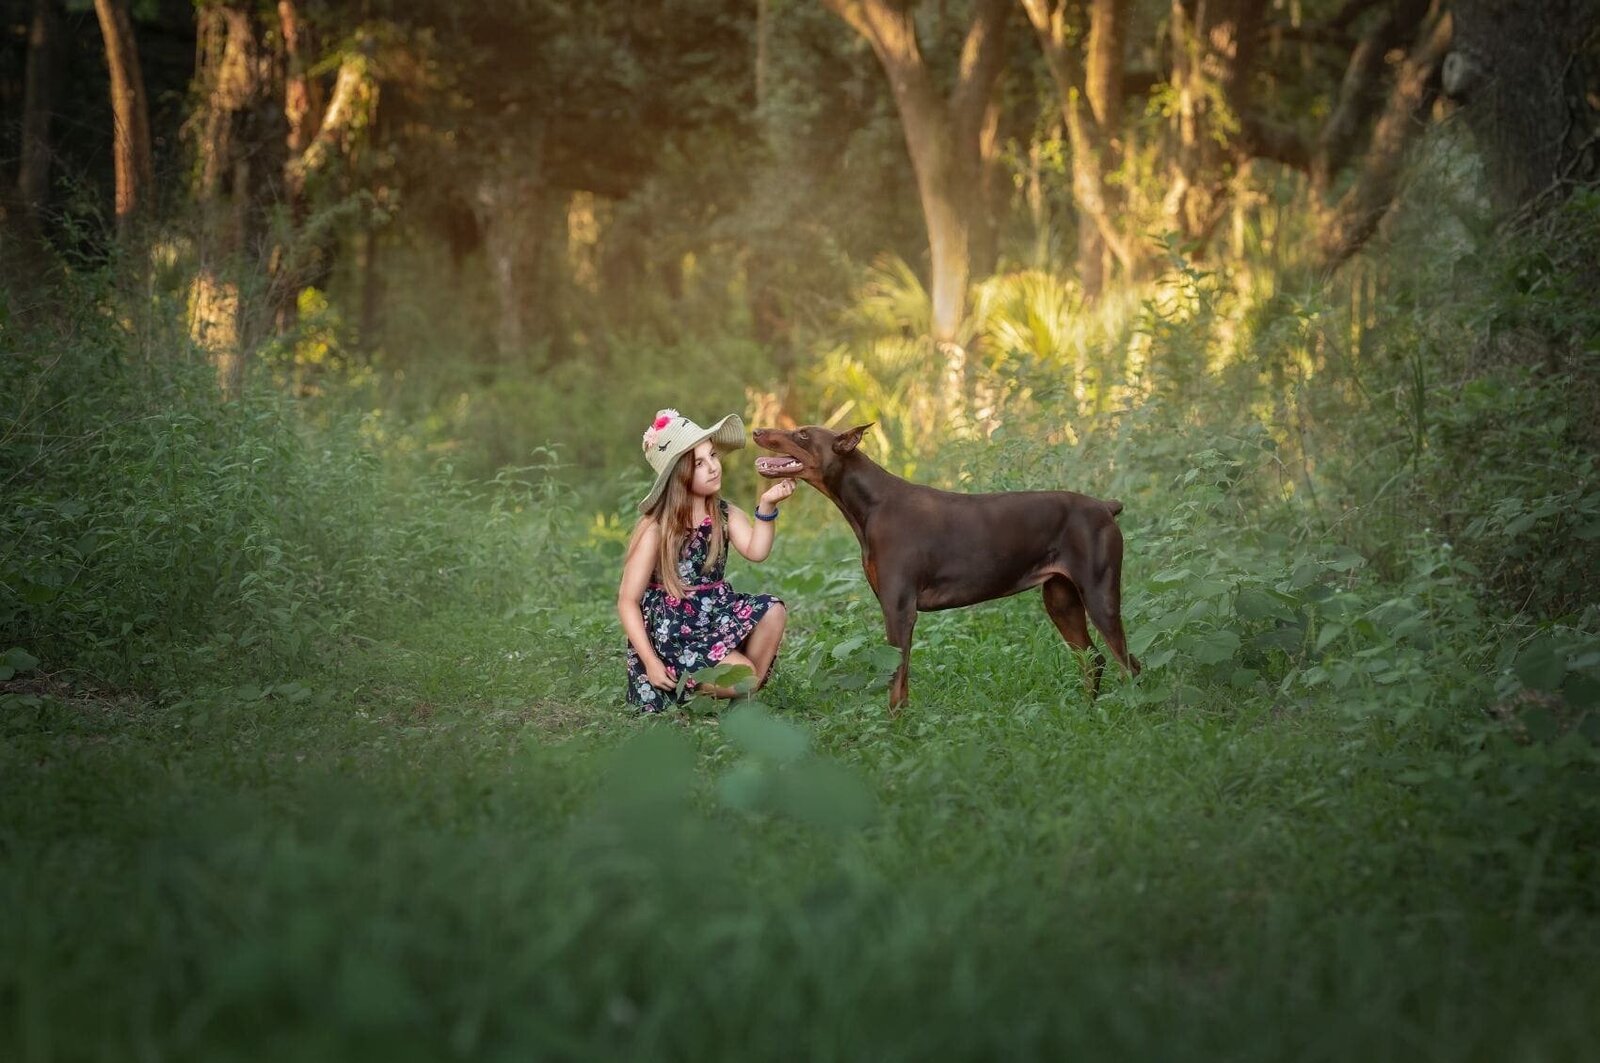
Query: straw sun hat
{"points": [[672, 435]]}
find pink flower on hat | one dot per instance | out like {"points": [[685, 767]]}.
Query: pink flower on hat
{"points": [[663, 418]]}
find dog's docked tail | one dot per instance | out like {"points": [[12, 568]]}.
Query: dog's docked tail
{"points": [[1114, 506]]}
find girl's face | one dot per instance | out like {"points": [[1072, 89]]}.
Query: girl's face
{"points": [[707, 474]]}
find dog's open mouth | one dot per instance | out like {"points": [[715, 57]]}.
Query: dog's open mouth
{"points": [[771, 466]]}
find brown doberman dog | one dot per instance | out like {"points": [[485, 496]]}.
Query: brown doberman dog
{"points": [[926, 549]]}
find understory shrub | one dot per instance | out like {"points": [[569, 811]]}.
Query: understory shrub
{"points": [[149, 525]]}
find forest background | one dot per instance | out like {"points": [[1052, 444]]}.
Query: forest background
{"points": [[329, 331]]}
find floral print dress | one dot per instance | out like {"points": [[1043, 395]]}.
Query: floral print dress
{"points": [[695, 631]]}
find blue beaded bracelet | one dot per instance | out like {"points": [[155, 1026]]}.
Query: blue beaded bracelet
{"points": [[762, 516]]}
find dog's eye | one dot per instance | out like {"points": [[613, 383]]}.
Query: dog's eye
{"points": [[804, 437]]}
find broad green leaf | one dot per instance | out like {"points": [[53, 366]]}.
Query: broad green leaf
{"points": [[1344, 559], [1304, 575], [1328, 633], [884, 658], [741, 678], [1171, 577], [755, 730], [848, 646], [1215, 647], [1541, 724], [1244, 678], [1539, 666], [1158, 658], [1520, 524], [1582, 692], [16, 660], [1253, 603]]}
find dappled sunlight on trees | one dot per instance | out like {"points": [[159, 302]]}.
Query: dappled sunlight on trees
{"points": [[954, 219]]}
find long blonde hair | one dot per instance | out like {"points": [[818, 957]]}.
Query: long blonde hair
{"points": [[674, 513]]}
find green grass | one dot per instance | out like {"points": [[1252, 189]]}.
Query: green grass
{"points": [[451, 840], [323, 753]]}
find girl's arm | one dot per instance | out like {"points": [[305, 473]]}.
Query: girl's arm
{"points": [[753, 539], [637, 568]]}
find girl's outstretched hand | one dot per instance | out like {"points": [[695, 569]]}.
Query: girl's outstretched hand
{"points": [[777, 493]]}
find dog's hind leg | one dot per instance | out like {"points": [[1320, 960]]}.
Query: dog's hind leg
{"points": [[1103, 599], [1065, 606]]}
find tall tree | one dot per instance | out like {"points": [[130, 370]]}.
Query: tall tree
{"points": [[266, 127], [38, 105], [944, 136], [322, 129], [238, 156], [135, 170], [1527, 73], [1213, 45], [533, 101], [1089, 88]]}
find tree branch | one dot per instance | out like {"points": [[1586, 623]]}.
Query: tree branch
{"points": [[352, 101], [1348, 225], [1334, 30], [1359, 97]]}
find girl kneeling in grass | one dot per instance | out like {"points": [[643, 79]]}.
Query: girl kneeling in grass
{"points": [[678, 612]]}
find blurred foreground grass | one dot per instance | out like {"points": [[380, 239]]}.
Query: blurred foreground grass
{"points": [[450, 841]]}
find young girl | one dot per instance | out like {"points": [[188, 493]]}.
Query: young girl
{"points": [[678, 612]]}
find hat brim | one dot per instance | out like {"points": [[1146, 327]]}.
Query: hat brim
{"points": [[726, 434]]}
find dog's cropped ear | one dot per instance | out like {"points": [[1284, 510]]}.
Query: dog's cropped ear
{"points": [[848, 442]]}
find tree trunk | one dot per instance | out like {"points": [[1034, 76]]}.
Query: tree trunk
{"points": [[302, 93], [1213, 47], [1103, 84], [238, 139], [509, 204], [991, 193], [945, 141], [38, 104], [135, 173], [316, 137], [1090, 95], [1527, 73], [302, 111], [763, 51], [369, 333]]}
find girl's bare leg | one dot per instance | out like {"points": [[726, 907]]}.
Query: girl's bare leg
{"points": [[758, 651], [762, 645]]}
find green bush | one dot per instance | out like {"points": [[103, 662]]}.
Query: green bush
{"points": [[149, 525]]}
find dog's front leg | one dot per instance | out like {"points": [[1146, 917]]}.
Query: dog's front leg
{"points": [[899, 620]]}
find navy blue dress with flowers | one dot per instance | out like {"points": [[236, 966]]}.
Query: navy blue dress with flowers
{"points": [[697, 630]]}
